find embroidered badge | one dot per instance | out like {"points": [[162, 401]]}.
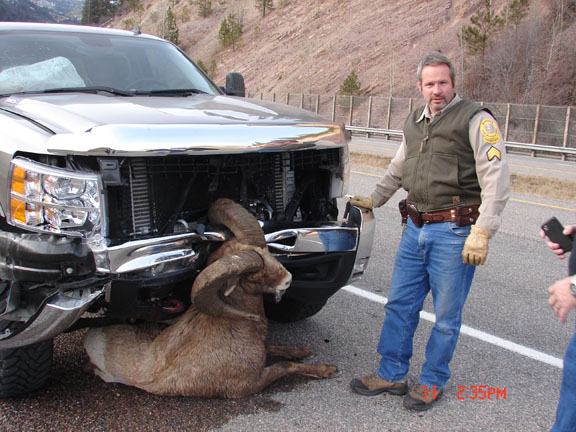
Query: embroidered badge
{"points": [[489, 131], [493, 153]]}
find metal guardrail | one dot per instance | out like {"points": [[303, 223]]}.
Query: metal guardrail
{"points": [[509, 144], [376, 131]]}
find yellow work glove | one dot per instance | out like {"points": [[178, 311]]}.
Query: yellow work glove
{"points": [[476, 246], [364, 202]]}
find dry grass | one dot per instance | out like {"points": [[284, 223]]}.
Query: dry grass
{"points": [[520, 183]]}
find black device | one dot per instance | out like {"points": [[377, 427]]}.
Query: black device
{"points": [[553, 229]]}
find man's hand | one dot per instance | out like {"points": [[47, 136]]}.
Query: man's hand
{"points": [[364, 202], [561, 299], [476, 246], [555, 247]]}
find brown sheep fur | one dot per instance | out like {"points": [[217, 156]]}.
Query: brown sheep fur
{"points": [[201, 354]]}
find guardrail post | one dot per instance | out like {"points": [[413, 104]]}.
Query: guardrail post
{"points": [[536, 122], [507, 124], [334, 108], [317, 103], [351, 109], [287, 98], [302, 100], [388, 115], [368, 121], [566, 130]]}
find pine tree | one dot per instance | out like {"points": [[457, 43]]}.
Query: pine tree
{"points": [[168, 29], [230, 30], [475, 36], [204, 7], [264, 6], [134, 5], [515, 11], [97, 11], [351, 85]]}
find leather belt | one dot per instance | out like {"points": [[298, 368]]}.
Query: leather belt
{"points": [[462, 216]]}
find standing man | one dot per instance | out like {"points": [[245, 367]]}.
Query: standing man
{"points": [[563, 300], [453, 164]]}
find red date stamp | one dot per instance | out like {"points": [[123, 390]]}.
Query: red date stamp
{"points": [[431, 392], [482, 392]]}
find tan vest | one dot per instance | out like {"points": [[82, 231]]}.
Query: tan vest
{"points": [[439, 171]]}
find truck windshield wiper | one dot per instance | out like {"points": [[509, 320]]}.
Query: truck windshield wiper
{"points": [[94, 90], [170, 92]]}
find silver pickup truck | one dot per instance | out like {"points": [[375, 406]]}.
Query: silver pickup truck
{"points": [[113, 145]]}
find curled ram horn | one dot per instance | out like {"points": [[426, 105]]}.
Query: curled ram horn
{"points": [[207, 288]]}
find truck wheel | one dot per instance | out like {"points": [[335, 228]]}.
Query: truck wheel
{"points": [[25, 369], [290, 310]]}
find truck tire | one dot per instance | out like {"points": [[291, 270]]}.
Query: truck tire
{"points": [[25, 369], [290, 310]]}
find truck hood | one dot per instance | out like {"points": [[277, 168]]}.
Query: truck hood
{"points": [[106, 125]]}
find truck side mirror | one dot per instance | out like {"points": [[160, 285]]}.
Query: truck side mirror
{"points": [[235, 84]]}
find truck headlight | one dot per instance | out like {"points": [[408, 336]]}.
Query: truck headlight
{"points": [[49, 199]]}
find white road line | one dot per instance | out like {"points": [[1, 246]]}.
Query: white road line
{"points": [[486, 337]]}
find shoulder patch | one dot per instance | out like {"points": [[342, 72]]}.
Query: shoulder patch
{"points": [[493, 153], [489, 130]]}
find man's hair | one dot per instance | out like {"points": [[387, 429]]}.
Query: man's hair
{"points": [[435, 59]]}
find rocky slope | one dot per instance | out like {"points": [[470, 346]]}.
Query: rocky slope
{"points": [[305, 46]]}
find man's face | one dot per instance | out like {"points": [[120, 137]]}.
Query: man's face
{"points": [[436, 87]]}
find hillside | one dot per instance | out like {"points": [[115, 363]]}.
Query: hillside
{"points": [[307, 46], [60, 11], [24, 10]]}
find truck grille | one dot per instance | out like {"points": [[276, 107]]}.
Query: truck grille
{"points": [[156, 195]]}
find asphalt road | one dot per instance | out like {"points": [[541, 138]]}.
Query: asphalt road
{"points": [[511, 348]]}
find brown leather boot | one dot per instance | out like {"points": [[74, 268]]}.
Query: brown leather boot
{"points": [[422, 397], [372, 385]]}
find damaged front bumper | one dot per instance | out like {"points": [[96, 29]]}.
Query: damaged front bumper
{"points": [[353, 235], [322, 259], [54, 316]]}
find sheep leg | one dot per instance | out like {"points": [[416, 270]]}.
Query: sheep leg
{"points": [[281, 369], [287, 352]]}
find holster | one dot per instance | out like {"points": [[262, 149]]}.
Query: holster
{"points": [[462, 216], [403, 211], [414, 214]]}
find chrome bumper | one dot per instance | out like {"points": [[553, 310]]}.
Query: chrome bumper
{"points": [[58, 312], [177, 251], [366, 223], [163, 254], [56, 315], [354, 234]]}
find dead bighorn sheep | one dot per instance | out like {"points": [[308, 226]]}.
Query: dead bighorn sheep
{"points": [[217, 347]]}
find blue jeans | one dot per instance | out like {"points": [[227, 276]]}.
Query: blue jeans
{"points": [[566, 411], [428, 259]]}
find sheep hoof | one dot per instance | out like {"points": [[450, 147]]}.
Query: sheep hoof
{"points": [[331, 371], [337, 373], [321, 371]]}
